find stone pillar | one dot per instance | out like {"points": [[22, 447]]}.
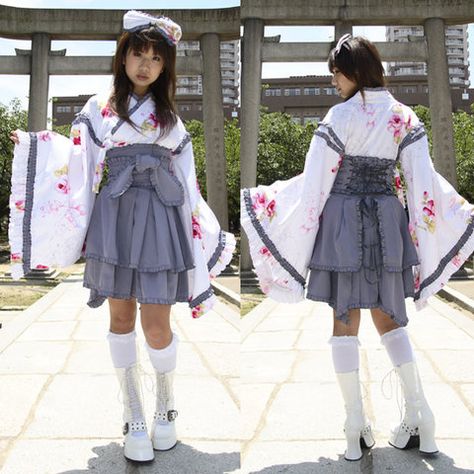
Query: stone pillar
{"points": [[213, 114], [440, 100], [39, 82], [250, 114], [341, 28]]}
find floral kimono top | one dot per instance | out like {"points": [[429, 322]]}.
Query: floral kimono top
{"points": [[282, 220], [55, 181]]}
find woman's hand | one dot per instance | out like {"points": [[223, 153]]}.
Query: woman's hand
{"points": [[14, 138]]}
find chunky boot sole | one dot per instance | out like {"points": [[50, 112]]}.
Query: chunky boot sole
{"points": [[139, 455], [164, 445]]}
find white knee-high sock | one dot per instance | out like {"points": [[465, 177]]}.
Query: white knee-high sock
{"points": [[122, 349], [345, 353], [164, 360], [398, 346]]}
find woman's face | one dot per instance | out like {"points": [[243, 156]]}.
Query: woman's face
{"points": [[345, 86], [143, 69]]}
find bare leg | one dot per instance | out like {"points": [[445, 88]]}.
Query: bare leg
{"points": [[351, 329], [382, 321], [155, 320], [123, 314]]}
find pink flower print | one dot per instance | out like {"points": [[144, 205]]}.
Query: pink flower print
{"points": [[417, 280], [44, 136], [264, 251], [197, 186], [429, 212], [414, 238], [121, 143], [259, 200], [154, 120], [41, 267], [106, 111], [197, 234], [197, 311], [76, 140], [398, 182], [456, 260], [339, 163], [20, 205], [16, 257], [62, 185], [270, 209], [395, 126], [408, 125]]}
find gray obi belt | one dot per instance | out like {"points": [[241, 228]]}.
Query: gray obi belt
{"points": [[143, 165], [363, 223]]}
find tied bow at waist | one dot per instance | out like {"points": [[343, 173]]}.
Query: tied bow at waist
{"points": [[167, 186], [371, 239]]}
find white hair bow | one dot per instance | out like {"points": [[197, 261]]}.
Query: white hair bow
{"points": [[342, 42], [135, 21]]}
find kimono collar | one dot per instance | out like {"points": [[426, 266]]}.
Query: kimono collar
{"points": [[372, 95]]}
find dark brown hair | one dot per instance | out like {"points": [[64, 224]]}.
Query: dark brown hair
{"points": [[359, 60], [163, 89]]}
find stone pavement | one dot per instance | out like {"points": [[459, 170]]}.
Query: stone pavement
{"points": [[59, 398], [292, 409]]}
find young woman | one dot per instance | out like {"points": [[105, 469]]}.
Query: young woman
{"points": [[150, 237], [341, 220]]}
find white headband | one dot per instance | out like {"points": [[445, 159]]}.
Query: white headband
{"points": [[135, 21], [342, 42]]}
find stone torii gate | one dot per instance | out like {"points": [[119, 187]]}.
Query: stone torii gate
{"points": [[433, 15], [209, 27]]}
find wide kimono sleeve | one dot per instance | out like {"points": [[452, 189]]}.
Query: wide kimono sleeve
{"points": [[212, 247], [281, 220], [52, 194], [441, 221]]}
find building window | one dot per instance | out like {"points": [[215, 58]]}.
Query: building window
{"points": [[311, 91], [409, 89], [77, 108], [311, 119], [295, 119], [330, 91], [185, 108], [272, 92], [61, 109], [292, 91]]}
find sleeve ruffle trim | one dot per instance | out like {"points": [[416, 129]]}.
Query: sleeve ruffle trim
{"points": [[462, 251], [275, 281], [223, 256], [18, 198]]}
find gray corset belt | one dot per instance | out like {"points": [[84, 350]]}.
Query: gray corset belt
{"points": [[143, 165], [364, 175]]}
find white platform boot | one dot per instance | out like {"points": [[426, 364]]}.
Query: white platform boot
{"points": [[418, 425], [163, 432], [356, 428], [137, 443]]}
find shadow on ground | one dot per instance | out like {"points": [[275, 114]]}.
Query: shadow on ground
{"points": [[183, 459], [375, 461]]}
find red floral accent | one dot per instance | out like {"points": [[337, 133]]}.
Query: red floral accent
{"points": [[270, 209], [20, 205], [76, 140], [265, 251], [44, 136], [62, 186], [16, 257], [398, 182], [339, 163], [41, 267], [428, 209], [154, 120], [197, 234], [106, 111]]}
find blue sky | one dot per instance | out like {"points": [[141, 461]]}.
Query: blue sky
{"points": [[17, 86]]}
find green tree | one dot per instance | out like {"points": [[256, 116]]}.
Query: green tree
{"points": [[12, 117], [232, 153], [282, 147]]}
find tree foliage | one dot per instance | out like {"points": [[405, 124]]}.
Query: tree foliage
{"points": [[463, 125], [12, 117], [282, 147], [232, 154]]}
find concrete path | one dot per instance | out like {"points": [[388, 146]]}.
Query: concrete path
{"points": [[292, 409], [59, 398]]}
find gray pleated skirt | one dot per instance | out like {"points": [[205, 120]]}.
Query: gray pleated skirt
{"points": [[137, 245], [363, 256]]}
